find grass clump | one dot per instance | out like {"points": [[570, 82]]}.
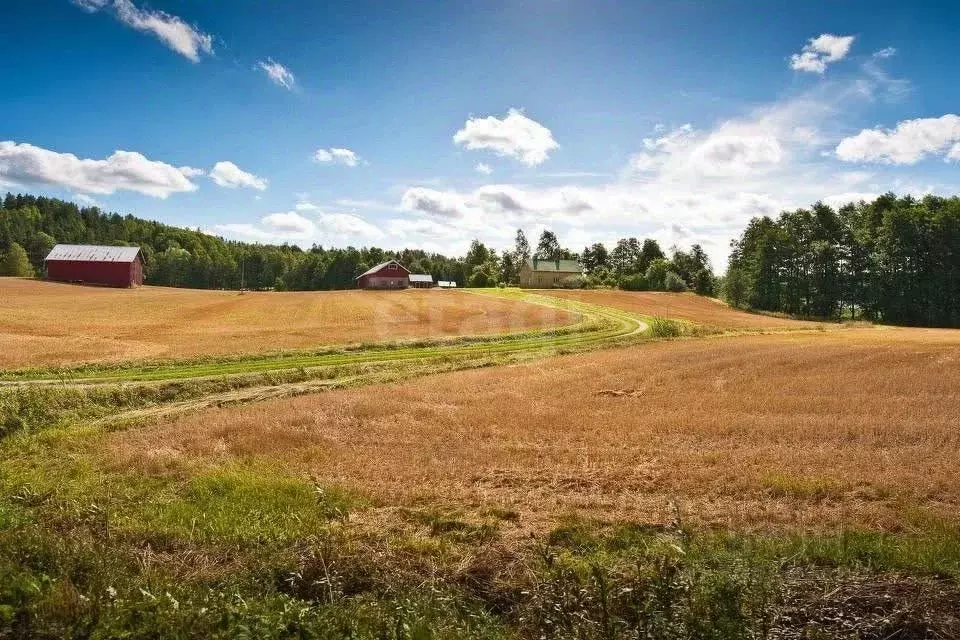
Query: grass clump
{"points": [[661, 327]]}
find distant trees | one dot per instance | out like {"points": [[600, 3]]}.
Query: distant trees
{"points": [[16, 263], [185, 258], [896, 260]]}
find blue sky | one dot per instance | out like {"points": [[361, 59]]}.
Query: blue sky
{"points": [[426, 124]]}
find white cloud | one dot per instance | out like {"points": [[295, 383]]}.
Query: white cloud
{"points": [[515, 135], [886, 52], [432, 202], [84, 199], [191, 172], [275, 227], [344, 228], [483, 168], [909, 142], [337, 156], [278, 73], [820, 52], [332, 229], [121, 171], [226, 174], [179, 36], [290, 224], [686, 184]]}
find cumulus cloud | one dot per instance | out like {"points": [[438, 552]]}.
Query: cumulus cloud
{"points": [[226, 174], [346, 228], [338, 229], [820, 52], [278, 73], [336, 155], [289, 223], [483, 168], [432, 202], [84, 199], [685, 183], [515, 135], [179, 36], [907, 143], [275, 227], [121, 171]]}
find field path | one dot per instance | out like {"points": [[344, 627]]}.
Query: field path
{"points": [[599, 326]]}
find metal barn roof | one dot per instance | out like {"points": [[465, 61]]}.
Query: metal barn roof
{"points": [[92, 253], [380, 266], [566, 266], [421, 277]]}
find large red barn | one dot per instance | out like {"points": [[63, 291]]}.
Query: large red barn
{"points": [[386, 275], [92, 264]]}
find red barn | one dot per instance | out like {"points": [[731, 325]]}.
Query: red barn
{"points": [[110, 266], [387, 275]]}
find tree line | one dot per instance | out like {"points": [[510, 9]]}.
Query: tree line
{"points": [[894, 260], [30, 226]]}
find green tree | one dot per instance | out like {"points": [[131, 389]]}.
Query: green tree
{"points": [[17, 263], [595, 257], [549, 246], [657, 274], [673, 282]]}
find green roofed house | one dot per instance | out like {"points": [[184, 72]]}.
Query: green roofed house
{"points": [[547, 274]]}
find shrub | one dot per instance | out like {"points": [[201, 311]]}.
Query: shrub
{"points": [[573, 282], [673, 282], [665, 328], [657, 273], [635, 282]]}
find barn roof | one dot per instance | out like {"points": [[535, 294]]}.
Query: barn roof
{"points": [[421, 277], [566, 266], [381, 266], [92, 253]]}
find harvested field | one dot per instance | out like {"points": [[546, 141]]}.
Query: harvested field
{"points": [[681, 306], [812, 430], [48, 323]]}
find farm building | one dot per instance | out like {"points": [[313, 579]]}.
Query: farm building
{"points": [[386, 275], [93, 264], [546, 274], [421, 280], [447, 284]]}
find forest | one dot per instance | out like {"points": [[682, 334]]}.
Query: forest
{"points": [[173, 256], [894, 260]]}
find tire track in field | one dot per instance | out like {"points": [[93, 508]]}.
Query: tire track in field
{"points": [[599, 327]]}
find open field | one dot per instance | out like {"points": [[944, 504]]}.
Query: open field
{"points": [[588, 482], [48, 323], [854, 427], [691, 307]]}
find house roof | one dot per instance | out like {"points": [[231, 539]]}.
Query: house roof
{"points": [[565, 266], [92, 253], [421, 277], [381, 266]]}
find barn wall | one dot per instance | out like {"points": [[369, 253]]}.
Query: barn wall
{"points": [[377, 281], [114, 274]]}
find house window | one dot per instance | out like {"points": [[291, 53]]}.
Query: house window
{"points": [[392, 267]]}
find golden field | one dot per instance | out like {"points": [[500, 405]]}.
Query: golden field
{"points": [[814, 429], [49, 323], [688, 306]]}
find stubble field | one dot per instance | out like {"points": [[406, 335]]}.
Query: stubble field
{"points": [[56, 324], [855, 427], [629, 477]]}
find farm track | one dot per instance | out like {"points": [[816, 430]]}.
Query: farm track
{"points": [[599, 327]]}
